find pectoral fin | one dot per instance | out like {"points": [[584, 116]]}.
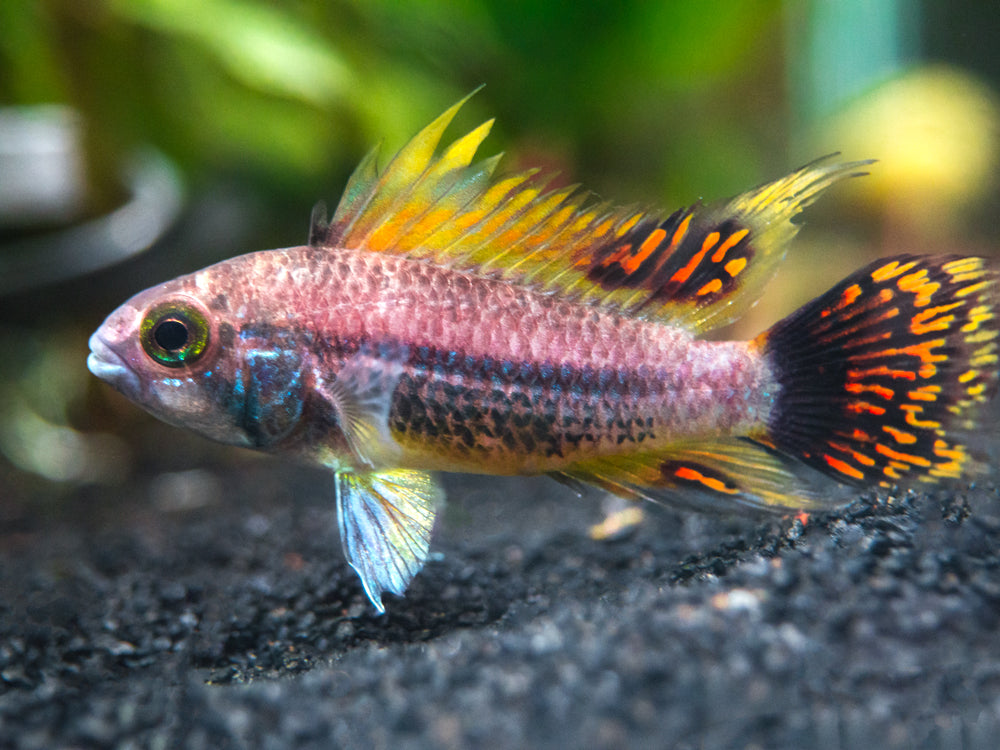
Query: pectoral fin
{"points": [[361, 396], [385, 523]]}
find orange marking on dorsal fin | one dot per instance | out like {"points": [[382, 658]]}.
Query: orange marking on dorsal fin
{"points": [[679, 233], [631, 265], [684, 274], [731, 241], [448, 209], [710, 239]]}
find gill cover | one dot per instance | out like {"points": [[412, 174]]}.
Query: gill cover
{"points": [[269, 393]]}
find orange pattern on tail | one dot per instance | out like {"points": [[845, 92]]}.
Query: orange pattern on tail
{"points": [[880, 372]]}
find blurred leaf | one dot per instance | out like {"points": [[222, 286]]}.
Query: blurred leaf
{"points": [[28, 74], [683, 41], [228, 126], [261, 46], [394, 102]]}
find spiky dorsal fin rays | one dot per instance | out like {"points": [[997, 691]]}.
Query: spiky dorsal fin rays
{"points": [[409, 186], [698, 269]]}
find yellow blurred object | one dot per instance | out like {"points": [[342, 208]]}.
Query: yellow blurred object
{"points": [[934, 131], [621, 517]]}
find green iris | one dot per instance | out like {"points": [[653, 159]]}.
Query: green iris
{"points": [[174, 333]]}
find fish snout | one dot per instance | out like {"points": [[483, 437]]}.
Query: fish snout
{"points": [[109, 366]]}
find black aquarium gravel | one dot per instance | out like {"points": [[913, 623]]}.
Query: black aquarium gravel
{"points": [[233, 622]]}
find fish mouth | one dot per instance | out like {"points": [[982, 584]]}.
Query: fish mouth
{"points": [[106, 364]]}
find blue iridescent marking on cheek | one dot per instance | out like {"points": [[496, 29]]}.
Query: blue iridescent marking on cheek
{"points": [[272, 403], [263, 354]]}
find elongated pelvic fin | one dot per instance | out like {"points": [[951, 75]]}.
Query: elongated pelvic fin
{"points": [[385, 522], [717, 475], [879, 374], [698, 268]]}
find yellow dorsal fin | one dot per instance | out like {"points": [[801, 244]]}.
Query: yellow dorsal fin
{"points": [[699, 268]]}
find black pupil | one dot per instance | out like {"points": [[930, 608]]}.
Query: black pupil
{"points": [[171, 335]]}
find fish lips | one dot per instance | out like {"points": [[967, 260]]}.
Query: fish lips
{"points": [[110, 367]]}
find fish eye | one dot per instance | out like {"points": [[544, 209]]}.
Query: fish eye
{"points": [[174, 333]]}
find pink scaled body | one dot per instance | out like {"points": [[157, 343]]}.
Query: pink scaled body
{"points": [[611, 384]]}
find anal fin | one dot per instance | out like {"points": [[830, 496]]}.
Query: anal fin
{"points": [[385, 521], [720, 475]]}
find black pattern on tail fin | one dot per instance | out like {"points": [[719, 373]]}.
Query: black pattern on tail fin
{"points": [[879, 373]]}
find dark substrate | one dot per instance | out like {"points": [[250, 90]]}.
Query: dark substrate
{"points": [[233, 622]]}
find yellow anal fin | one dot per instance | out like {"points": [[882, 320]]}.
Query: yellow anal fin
{"points": [[699, 268], [721, 476]]}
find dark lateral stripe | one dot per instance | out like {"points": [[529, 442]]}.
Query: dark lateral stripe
{"points": [[463, 402]]}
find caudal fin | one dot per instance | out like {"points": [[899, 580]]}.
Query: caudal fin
{"points": [[880, 376]]}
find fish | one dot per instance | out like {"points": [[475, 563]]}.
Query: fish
{"points": [[447, 318]]}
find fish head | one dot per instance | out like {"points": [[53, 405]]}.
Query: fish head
{"points": [[184, 352]]}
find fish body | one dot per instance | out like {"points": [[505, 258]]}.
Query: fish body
{"points": [[446, 320]]}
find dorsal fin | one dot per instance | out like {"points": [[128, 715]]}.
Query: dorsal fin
{"points": [[699, 268]]}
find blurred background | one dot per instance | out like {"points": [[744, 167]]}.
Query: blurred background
{"points": [[142, 139]]}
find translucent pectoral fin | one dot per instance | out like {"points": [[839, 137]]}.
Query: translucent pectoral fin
{"points": [[385, 523], [361, 396]]}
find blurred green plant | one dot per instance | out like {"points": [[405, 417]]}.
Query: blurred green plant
{"points": [[288, 93]]}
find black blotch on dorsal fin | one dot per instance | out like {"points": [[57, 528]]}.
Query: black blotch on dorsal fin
{"points": [[319, 225]]}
